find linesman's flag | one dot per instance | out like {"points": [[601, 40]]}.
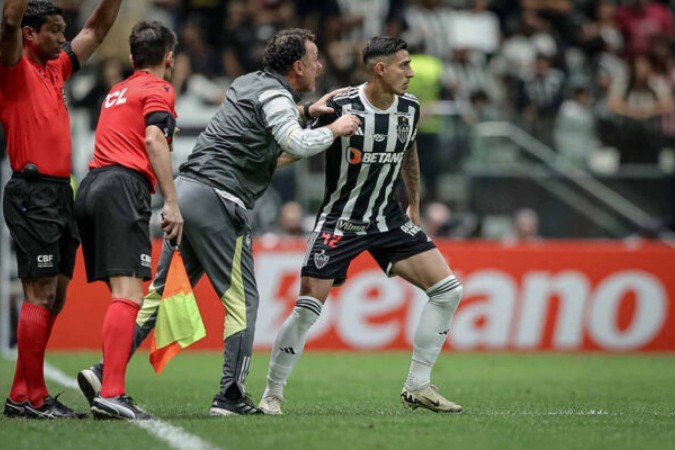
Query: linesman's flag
{"points": [[179, 323]]}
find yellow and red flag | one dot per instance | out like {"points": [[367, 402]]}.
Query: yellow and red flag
{"points": [[179, 323]]}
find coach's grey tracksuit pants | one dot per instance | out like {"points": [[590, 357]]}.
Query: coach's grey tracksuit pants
{"points": [[216, 241]]}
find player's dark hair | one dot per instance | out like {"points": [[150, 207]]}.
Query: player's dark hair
{"points": [[149, 42], [382, 46], [37, 12], [285, 48]]}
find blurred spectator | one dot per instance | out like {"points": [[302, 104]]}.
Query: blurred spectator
{"points": [[538, 98], [429, 24], [321, 16], [164, 11], [110, 71], [463, 75], [342, 66], [563, 18], [290, 220], [360, 20], [203, 57], [72, 13], [196, 67], [439, 221], [426, 86], [607, 65], [602, 32], [637, 102], [526, 225], [209, 14], [242, 53], [250, 24], [518, 52], [482, 151], [663, 58], [436, 220], [476, 28], [482, 109], [466, 73], [642, 20], [574, 132]]}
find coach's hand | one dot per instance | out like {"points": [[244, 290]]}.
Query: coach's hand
{"points": [[345, 125], [319, 107], [172, 222]]}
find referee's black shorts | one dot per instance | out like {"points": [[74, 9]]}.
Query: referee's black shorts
{"points": [[39, 214], [112, 208]]}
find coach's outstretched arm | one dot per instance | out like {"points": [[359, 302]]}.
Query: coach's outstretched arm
{"points": [[410, 171], [95, 29], [282, 118], [11, 47]]}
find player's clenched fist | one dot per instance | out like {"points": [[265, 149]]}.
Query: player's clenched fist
{"points": [[345, 125]]}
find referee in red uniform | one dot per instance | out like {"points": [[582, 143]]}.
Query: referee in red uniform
{"points": [[131, 155], [35, 61]]}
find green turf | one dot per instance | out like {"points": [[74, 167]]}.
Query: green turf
{"points": [[350, 401]]}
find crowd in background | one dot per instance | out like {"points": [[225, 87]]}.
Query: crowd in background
{"points": [[579, 75]]}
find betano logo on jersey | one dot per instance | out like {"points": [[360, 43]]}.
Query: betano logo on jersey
{"points": [[356, 156]]}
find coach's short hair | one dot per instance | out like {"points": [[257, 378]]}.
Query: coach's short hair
{"points": [[37, 12], [382, 46], [285, 48], [149, 42]]}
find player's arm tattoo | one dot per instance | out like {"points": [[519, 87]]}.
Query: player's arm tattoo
{"points": [[410, 171]]}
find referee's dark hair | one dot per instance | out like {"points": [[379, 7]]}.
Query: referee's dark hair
{"points": [[285, 48], [382, 46], [37, 12], [149, 42]]}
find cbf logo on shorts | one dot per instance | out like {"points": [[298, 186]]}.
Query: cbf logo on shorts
{"points": [[146, 260], [45, 261], [321, 259]]}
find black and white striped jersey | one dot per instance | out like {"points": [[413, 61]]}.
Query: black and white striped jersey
{"points": [[363, 170]]}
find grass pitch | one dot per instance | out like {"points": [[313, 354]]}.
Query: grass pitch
{"points": [[350, 400]]}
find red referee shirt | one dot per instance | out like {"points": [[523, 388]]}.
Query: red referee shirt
{"points": [[120, 134], [34, 114]]}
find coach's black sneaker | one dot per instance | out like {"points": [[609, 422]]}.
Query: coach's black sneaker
{"points": [[89, 381], [242, 406], [51, 409], [14, 409], [122, 407]]}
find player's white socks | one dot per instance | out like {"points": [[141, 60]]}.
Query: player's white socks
{"points": [[289, 344], [432, 330]]}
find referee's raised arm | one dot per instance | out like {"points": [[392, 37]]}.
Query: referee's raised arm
{"points": [[10, 33], [95, 29]]}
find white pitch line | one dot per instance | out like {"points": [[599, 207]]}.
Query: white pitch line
{"points": [[175, 436], [590, 412]]}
